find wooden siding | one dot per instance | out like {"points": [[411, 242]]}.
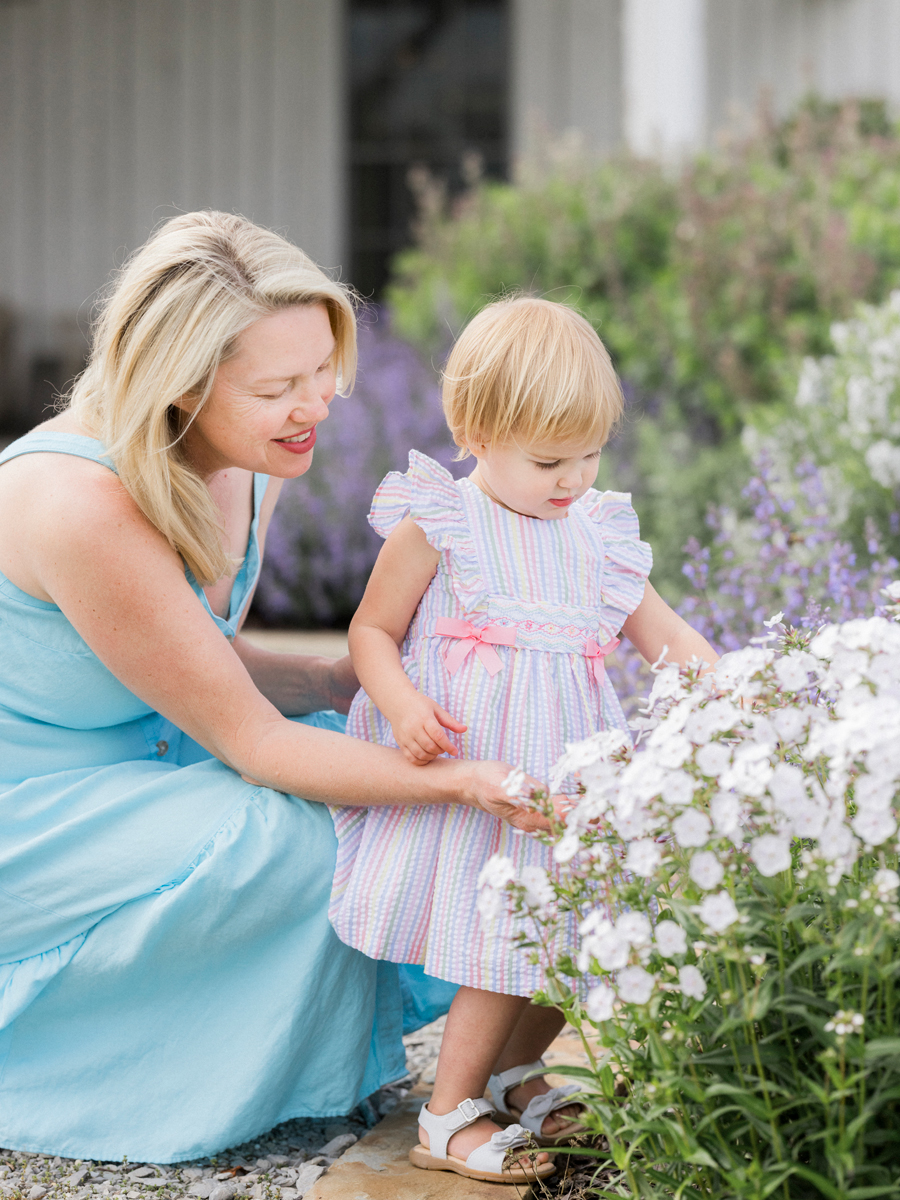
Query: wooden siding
{"points": [[115, 114], [786, 48]]}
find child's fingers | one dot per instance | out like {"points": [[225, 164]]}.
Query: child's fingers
{"points": [[436, 740], [447, 721]]}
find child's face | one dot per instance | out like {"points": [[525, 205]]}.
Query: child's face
{"points": [[538, 480]]}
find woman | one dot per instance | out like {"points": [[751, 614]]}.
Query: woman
{"points": [[170, 984]]}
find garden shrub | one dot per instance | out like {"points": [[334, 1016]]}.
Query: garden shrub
{"points": [[735, 879], [709, 286], [847, 415]]}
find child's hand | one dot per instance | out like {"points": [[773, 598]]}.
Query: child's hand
{"points": [[419, 731]]}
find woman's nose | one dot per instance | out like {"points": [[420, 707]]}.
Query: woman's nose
{"points": [[312, 406]]}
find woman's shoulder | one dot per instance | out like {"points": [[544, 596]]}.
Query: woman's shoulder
{"points": [[57, 505]]}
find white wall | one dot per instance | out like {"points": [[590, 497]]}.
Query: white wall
{"points": [[566, 74], [117, 113], [784, 49], [664, 75]]}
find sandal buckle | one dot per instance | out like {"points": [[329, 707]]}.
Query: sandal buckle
{"points": [[469, 1110]]}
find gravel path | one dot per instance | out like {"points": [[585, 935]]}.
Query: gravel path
{"points": [[282, 1165]]}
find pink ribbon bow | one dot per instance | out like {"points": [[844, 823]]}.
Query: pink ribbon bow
{"points": [[596, 654], [481, 641]]}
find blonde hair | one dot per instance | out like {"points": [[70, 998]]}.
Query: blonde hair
{"points": [[533, 370], [174, 315]]}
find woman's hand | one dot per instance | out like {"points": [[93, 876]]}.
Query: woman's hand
{"points": [[487, 792]]}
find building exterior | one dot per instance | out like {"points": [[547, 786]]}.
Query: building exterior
{"points": [[306, 115]]}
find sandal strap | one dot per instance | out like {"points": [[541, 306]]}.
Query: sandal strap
{"points": [[540, 1107], [440, 1129], [499, 1085], [491, 1156]]}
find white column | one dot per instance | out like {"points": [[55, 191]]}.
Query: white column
{"points": [[664, 69]]}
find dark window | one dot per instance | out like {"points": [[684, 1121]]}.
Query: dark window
{"points": [[428, 87]]}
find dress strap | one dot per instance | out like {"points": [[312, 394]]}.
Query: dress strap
{"points": [[40, 441]]}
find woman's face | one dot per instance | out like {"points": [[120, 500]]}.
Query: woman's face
{"points": [[268, 398]]}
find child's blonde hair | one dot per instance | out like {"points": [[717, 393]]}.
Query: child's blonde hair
{"points": [[532, 370], [173, 317]]}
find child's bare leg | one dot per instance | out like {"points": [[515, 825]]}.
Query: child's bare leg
{"points": [[478, 1027], [534, 1031]]}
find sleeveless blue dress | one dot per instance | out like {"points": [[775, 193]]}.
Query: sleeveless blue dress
{"points": [[169, 982]]}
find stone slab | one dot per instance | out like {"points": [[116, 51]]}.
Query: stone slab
{"points": [[377, 1167], [332, 643]]}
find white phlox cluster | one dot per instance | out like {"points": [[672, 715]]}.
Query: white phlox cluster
{"points": [[779, 760]]}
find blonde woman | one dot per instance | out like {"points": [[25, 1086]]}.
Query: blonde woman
{"points": [[169, 982]]}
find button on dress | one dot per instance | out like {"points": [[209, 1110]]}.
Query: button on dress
{"points": [[169, 982]]}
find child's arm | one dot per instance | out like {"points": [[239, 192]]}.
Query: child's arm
{"points": [[402, 572], [653, 626]]}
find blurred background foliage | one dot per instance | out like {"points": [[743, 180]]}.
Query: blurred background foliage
{"points": [[711, 285]]}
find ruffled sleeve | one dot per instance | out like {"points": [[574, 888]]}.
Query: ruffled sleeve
{"points": [[428, 493], [626, 559]]}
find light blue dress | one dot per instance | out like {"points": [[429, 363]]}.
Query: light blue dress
{"points": [[169, 982]]}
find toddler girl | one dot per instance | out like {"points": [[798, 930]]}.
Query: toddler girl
{"points": [[482, 634]]}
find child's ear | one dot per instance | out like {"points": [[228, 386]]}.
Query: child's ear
{"points": [[475, 446]]}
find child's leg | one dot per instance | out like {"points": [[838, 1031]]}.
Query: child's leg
{"points": [[478, 1027], [534, 1031]]}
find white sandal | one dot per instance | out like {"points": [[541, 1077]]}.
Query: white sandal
{"points": [[537, 1110], [485, 1162]]}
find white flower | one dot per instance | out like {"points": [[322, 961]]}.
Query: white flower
{"points": [[750, 771], [792, 671], [883, 460], [635, 927], [610, 950], [706, 870], [643, 857], [670, 939], [873, 791], [496, 873], [787, 785], [776, 620], [677, 789], [718, 912], [892, 591], [886, 881], [691, 828], [539, 893], [567, 846], [718, 716], [726, 812], [873, 826], [835, 840], [845, 1021], [771, 853], [600, 1002], [512, 784], [789, 722], [635, 985], [692, 982], [713, 759]]}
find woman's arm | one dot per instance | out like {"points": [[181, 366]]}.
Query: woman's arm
{"points": [[402, 572], [299, 683], [295, 683], [123, 588], [653, 626]]}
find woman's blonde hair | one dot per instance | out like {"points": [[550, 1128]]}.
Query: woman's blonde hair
{"points": [[174, 315], [531, 370]]}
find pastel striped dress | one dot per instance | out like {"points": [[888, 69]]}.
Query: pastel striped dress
{"points": [[406, 883]]}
